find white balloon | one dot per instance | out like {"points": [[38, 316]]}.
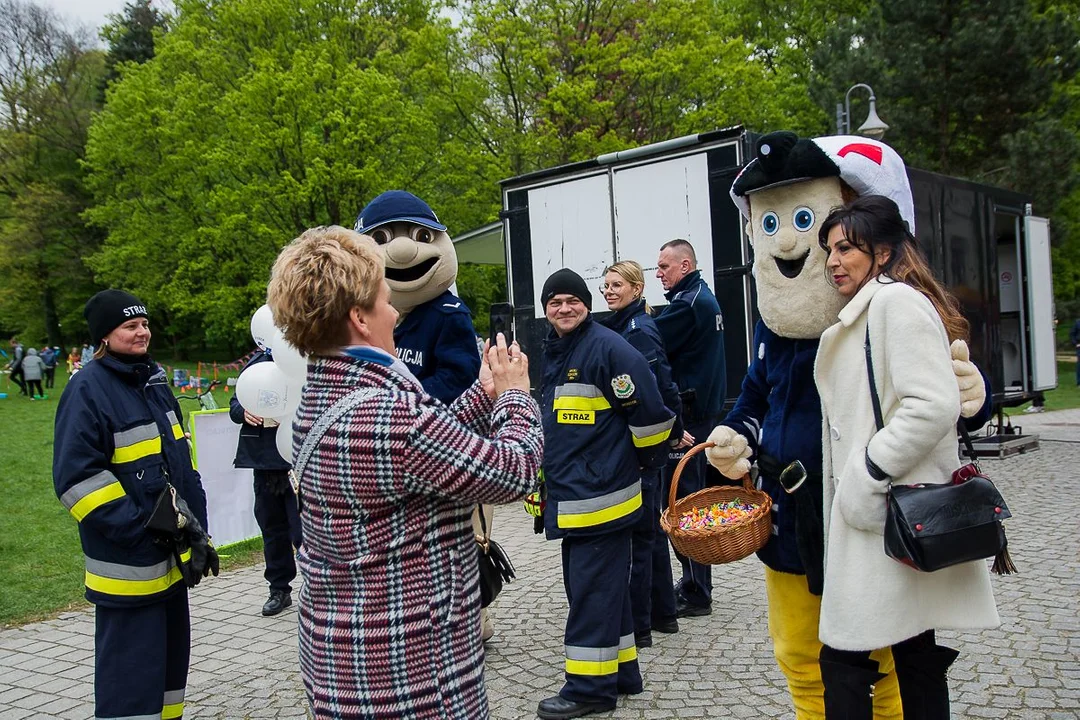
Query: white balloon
{"points": [[289, 359], [262, 327], [263, 390], [284, 437]]}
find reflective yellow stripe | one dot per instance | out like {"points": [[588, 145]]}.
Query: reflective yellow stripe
{"points": [[627, 648], [96, 499], [599, 517], [177, 432], [133, 580], [172, 711], [651, 440], [572, 402], [592, 667], [131, 453]]}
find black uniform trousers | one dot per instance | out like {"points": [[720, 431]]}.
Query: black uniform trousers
{"points": [[141, 659], [695, 587], [650, 557], [279, 521], [601, 657], [50, 377]]}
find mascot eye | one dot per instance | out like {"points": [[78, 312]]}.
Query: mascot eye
{"points": [[770, 223], [803, 219], [381, 236], [422, 235]]}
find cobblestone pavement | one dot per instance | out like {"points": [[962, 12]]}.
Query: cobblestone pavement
{"points": [[245, 666]]}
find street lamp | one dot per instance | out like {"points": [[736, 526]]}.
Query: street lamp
{"points": [[874, 126]]}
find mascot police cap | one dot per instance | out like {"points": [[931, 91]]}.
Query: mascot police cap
{"points": [[869, 167], [397, 206]]}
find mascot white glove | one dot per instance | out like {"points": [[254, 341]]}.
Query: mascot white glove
{"points": [[730, 454], [969, 379]]}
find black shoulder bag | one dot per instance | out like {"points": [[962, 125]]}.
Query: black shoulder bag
{"points": [[933, 526], [495, 567]]}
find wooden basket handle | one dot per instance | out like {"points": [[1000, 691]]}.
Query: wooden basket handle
{"points": [[701, 447]]}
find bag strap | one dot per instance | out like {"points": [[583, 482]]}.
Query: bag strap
{"points": [[968, 446], [483, 523], [870, 374], [324, 422]]}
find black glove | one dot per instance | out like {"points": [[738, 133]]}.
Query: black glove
{"points": [[204, 558]]}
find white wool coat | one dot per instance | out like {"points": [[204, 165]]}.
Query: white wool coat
{"points": [[871, 601]]}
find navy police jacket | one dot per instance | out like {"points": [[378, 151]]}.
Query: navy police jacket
{"points": [[257, 446], [693, 331], [779, 413], [118, 440], [437, 342], [603, 422], [637, 327]]}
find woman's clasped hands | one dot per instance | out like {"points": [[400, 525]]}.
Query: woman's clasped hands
{"points": [[503, 368]]}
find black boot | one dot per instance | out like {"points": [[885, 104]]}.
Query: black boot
{"points": [[924, 682], [849, 689]]}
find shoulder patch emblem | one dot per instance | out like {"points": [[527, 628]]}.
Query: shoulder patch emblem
{"points": [[572, 374], [623, 386]]}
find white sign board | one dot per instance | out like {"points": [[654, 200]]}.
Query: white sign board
{"points": [[571, 227], [230, 494], [658, 202], [1040, 287]]}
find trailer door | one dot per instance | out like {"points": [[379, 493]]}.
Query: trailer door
{"points": [[1039, 288]]}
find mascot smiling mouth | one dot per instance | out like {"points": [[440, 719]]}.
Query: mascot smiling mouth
{"points": [[411, 274], [788, 268]]}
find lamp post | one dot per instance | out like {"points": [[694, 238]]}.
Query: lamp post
{"points": [[874, 126]]}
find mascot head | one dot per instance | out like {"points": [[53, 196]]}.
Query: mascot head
{"points": [[785, 193], [420, 259]]}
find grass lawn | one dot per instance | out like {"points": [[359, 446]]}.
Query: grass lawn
{"points": [[41, 561], [1065, 396]]}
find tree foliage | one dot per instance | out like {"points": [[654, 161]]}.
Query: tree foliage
{"points": [[231, 126], [48, 76]]}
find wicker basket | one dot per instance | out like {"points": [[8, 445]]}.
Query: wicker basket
{"points": [[724, 543]]}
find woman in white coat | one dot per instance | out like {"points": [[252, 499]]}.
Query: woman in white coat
{"points": [[871, 601]]}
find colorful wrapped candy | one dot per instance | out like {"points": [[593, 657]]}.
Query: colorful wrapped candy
{"points": [[717, 514]]}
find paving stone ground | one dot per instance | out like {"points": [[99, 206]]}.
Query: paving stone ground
{"points": [[245, 665]]}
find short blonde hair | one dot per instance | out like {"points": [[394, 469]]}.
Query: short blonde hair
{"points": [[317, 280]]}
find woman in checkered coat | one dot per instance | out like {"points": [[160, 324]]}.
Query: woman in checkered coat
{"points": [[390, 607]]}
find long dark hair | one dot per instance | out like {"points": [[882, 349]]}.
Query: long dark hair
{"points": [[873, 223]]}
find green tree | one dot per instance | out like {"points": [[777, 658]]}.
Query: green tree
{"points": [[570, 80], [130, 37], [255, 120], [48, 77]]}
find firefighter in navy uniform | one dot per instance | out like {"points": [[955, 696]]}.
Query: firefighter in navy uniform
{"points": [[119, 448], [693, 331], [435, 336], [604, 425]]}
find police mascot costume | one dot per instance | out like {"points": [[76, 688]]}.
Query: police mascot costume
{"points": [[435, 337], [784, 193]]}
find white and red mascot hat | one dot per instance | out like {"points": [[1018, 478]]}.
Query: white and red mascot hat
{"points": [[868, 166]]}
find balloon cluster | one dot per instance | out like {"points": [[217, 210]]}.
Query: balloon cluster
{"points": [[272, 389]]}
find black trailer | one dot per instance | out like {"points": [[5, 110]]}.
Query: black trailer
{"points": [[982, 241]]}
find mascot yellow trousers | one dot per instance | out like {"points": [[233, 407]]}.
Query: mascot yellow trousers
{"points": [[793, 627]]}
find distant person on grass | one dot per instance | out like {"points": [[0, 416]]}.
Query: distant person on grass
{"points": [[1074, 338]]}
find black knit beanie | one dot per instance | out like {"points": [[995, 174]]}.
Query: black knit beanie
{"points": [[110, 309], [567, 282]]}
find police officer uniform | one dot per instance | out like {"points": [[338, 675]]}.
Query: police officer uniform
{"points": [[649, 547], [275, 504], [118, 441], [603, 421], [693, 331], [437, 342]]}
